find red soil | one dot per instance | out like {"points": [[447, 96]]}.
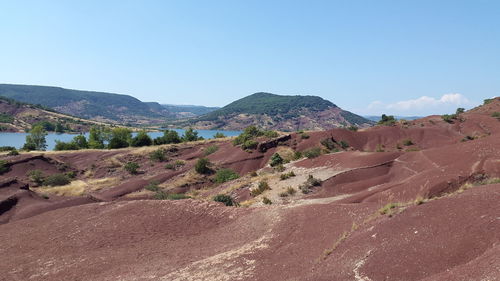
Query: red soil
{"points": [[337, 233]]}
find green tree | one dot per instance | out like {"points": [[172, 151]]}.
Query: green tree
{"points": [[81, 142], [120, 138], [142, 139], [191, 135], [59, 128], [276, 160], [219, 135], [96, 140], [36, 139]]}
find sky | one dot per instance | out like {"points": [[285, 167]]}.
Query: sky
{"points": [[371, 57]]}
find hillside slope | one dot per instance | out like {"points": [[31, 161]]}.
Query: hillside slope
{"points": [[86, 104], [278, 112], [425, 210], [20, 117]]}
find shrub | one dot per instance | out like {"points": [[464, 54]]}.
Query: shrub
{"points": [[283, 194], [407, 142], [344, 144], [380, 148], [210, 149], [263, 186], [352, 128], [162, 195], [249, 133], [226, 199], [6, 148], [219, 135], [328, 143], [202, 166], [449, 117], [36, 176], [152, 186], [56, 180], [287, 175], [276, 159], [487, 101], [13, 152], [290, 190], [309, 183], [60, 145], [253, 174], [131, 167], [271, 134], [312, 152], [71, 174], [175, 165], [224, 175], [297, 155], [142, 139], [266, 201], [460, 110], [496, 115], [249, 144], [387, 120], [304, 136], [280, 168], [4, 167], [157, 155], [388, 209]]}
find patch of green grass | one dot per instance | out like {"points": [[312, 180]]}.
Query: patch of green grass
{"points": [[388, 209], [287, 175], [131, 167], [56, 180], [4, 167], [158, 155], [312, 152], [152, 186], [263, 186], [210, 149], [226, 199], [224, 175]]}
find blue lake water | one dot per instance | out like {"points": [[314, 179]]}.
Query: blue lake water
{"points": [[18, 139]]}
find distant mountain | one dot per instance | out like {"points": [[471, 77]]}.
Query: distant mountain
{"points": [[278, 112], [91, 105], [187, 111], [377, 118], [17, 116]]}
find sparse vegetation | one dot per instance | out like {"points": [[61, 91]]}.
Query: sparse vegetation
{"points": [[287, 175], [210, 149], [407, 142], [276, 159], [202, 166], [290, 190], [162, 195], [304, 136], [263, 186], [226, 199], [266, 201], [158, 155], [152, 186], [131, 167], [224, 175], [380, 148], [388, 209], [56, 180], [4, 167], [344, 144], [328, 143], [13, 152], [387, 120], [219, 135], [312, 152], [175, 165], [36, 176], [496, 115], [352, 128], [309, 183]]}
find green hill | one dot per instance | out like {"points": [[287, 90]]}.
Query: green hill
{"points": [[86, 104], [280, 112]]}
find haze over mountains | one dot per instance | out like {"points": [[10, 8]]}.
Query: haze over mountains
{"points": [[266, 110]]}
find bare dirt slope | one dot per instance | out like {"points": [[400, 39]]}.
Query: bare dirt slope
{"points": [[386, 209]]}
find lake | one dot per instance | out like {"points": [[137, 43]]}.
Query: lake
{"points": [[18, 139]]}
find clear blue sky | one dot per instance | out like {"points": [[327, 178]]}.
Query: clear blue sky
{"points": [[398, 57]]}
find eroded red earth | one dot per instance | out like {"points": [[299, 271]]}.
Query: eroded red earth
{"points": [[386, 209]]}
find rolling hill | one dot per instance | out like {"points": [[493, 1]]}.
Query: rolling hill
{"points": [[20, 117], [86, 104], [279, 112]]}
